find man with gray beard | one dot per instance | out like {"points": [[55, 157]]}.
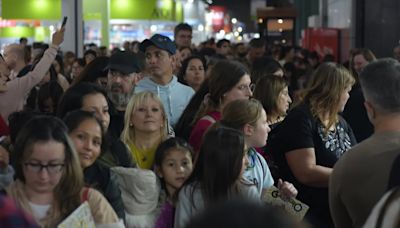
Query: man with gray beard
{"points": [[123, 73]]}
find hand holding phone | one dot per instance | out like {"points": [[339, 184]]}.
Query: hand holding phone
{"points": [[64, 22]]}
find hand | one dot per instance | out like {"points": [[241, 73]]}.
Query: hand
{"points": [[58, 36], [4, 158], [286, 190]]}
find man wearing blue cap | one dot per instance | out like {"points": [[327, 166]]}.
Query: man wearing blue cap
{"points": [[159, 53]]}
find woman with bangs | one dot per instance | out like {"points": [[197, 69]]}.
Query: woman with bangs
{"points": [[313, 136], [145, 128], [49, 183]]}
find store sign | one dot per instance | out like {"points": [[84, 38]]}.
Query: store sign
{"points": [[31, 9], [145, 10], [218, 17]]}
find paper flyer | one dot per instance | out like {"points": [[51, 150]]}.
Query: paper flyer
{"points": [[292, 206], [80, 218]]}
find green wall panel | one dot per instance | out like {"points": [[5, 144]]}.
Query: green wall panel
{"points": [[143, 9], [31, 9], [38, 33]]}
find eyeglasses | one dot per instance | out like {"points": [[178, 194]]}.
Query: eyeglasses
{"points": [[115, 74], [247, 87], [51, 168]]}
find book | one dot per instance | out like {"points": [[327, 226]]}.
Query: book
{"points": [[79, 218]]}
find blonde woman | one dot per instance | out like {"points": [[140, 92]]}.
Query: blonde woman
{"points": [[313, 137], [145, 127]]}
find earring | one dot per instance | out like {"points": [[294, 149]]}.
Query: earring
{"points": [[130, 124]]}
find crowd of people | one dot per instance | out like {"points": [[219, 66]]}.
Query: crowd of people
{"points": [[163, 133]]}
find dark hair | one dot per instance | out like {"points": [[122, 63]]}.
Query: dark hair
{"points": [[17, 120], [267, 91], [74, 118], [285, 50], [90, 52], [45, 129], [256, 43], [93, 70], [219, 164], [182, 27], [185, 65], [52, 90], [60, 62], [221, 42], [241, 213], [167, 145], [73, 97], [80, 61], [223, 77], [187, 119], [263, 66], [22, 39]]}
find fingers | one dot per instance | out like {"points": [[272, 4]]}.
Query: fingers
{"points": [[287, 189]]}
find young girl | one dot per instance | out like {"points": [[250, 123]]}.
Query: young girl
{"points": [[173, 165], [249, 116], [217, 176]]}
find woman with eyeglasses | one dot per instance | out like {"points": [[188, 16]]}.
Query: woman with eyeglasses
{"points": [[49, 180], [228, 81]]}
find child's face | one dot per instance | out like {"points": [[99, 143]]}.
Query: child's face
{"points": [[259, 136], [175, 169]]}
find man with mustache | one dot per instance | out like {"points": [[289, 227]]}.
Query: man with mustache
{"points": [[160, 58], [123, 74]]}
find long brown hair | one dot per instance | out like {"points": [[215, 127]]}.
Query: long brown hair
{"points": [[267, 91], [323, 92], [223, 77], [240, 112], [67, 193]]}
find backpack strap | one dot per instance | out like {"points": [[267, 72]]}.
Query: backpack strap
{"points": [[395, 194], [85, 194], [209, 118]]}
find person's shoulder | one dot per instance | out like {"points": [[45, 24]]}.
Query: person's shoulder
{"points": [[181, 88], [144, 84]]}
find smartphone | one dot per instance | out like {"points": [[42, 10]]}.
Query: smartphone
{"points": [[64, 22]]}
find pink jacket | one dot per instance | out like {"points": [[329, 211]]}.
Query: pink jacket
{"points": [[17, 89]]}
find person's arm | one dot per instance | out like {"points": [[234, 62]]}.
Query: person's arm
{"points": [[302, 163], [102, 212], [183, 211], [24, 84]]}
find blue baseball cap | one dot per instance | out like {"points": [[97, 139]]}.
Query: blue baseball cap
{"points": [[159, 41]]}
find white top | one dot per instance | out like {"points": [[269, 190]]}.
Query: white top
{"points": [[39, 211]]}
